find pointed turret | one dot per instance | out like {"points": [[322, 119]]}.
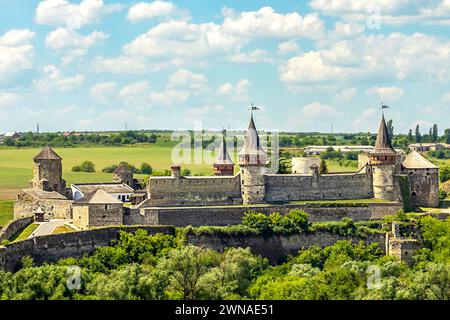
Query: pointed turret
{"points": [[47, 173], [383, 153], [223, 166], [252, 153], [47, 154]]}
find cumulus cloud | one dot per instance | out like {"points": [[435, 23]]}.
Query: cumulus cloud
{"points": [[367, 116], [71, 15], [125, 65], [187, 80], [287, 47], [267, 23], [63, 38], [54, 79], [104, 92], [16, 53], [9, 100], [317, 110], [148, 10], [387, 94], [395, 56], [237, 92], [255, 56], [345, 94]]}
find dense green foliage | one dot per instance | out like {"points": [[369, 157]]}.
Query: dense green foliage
{"points": [[139, 266], [86, 166], [296, 221]]}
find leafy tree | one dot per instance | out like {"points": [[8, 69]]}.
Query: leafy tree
{"points": [[185, 172], [447, 135], [323, 169], [418, 135], [435, 133], [444, 173], [146, 168], [255, 220], [390, 129], [86, 166]]}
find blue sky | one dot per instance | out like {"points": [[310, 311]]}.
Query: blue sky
{"points": [[94, 65]]}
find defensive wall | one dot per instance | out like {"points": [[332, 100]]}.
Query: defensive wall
{"points": [[179, 191], [277, 247], [13, 227], [232, 215], [51, 248], [289, 187]]}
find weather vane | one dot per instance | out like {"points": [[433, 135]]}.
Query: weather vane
{"points": [[253, 107], [383, 106]]}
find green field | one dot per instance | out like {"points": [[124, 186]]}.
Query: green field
{"points": [[16, 165], [6, 211]]}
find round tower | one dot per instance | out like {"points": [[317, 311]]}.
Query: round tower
{"points": [[382, 161], [47, 173], [223, 166], [252, 160]]}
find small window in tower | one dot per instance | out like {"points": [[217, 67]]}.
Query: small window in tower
{"points": [[104, 217], [385, 158], [413, 193]]}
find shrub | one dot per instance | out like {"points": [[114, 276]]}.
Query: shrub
{"points": [[258, 221], [295, 221], [442, 194], [110, 169], [444, 173], [146, 168], [86, 166]]}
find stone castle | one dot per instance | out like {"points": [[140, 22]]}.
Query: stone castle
{"points": [[383, 174]]}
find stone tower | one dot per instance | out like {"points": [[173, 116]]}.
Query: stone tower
{"points": [[47, 174], [123, 174], [223, 166], [382, 161], [252, 160]]}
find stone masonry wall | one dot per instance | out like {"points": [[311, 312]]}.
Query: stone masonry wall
{"points": [[424, 184], [58, 246], [323, 187], [173, 191], [26, 206], [222, 216], [13, 227], [278, 247]]}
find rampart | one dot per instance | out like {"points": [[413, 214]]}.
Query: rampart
{"points": [[278, 247], [231, 215], [179, 191], [13, 227], [73, 244], [291, 187]]}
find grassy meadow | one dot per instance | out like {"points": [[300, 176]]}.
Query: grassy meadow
{"points": [[6, 211], [16, 165]]}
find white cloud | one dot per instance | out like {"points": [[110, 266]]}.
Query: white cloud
{"points": [[395, 56], [255, 56], [345, 94], [16, 53], [54, 79], [73, 16], [316, 110], [182, 39], [185, 79], [366, 117], [125, 65], [387, 94], [104, 92], [8, 99], [169, 97], [237, 92], [287, 47], [63, 38], [17, 37], [267, 23], [148, 10]]}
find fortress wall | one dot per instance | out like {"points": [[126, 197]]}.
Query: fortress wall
{"points": [[424, 184], [26, 206], [13, 227], [51, 248], [278, 247], [232, 215], [172, 191], [322, 187]]}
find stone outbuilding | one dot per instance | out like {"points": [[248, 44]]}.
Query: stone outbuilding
{"points": [[96, 209]]}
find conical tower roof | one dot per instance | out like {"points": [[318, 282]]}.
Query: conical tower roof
{"points": [[383, 144], [223, 157], [47, 154], [252, 152]]}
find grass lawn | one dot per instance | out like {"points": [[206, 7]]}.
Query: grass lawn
{"points": [[6, 211], [63, 229], [25, 233]]}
